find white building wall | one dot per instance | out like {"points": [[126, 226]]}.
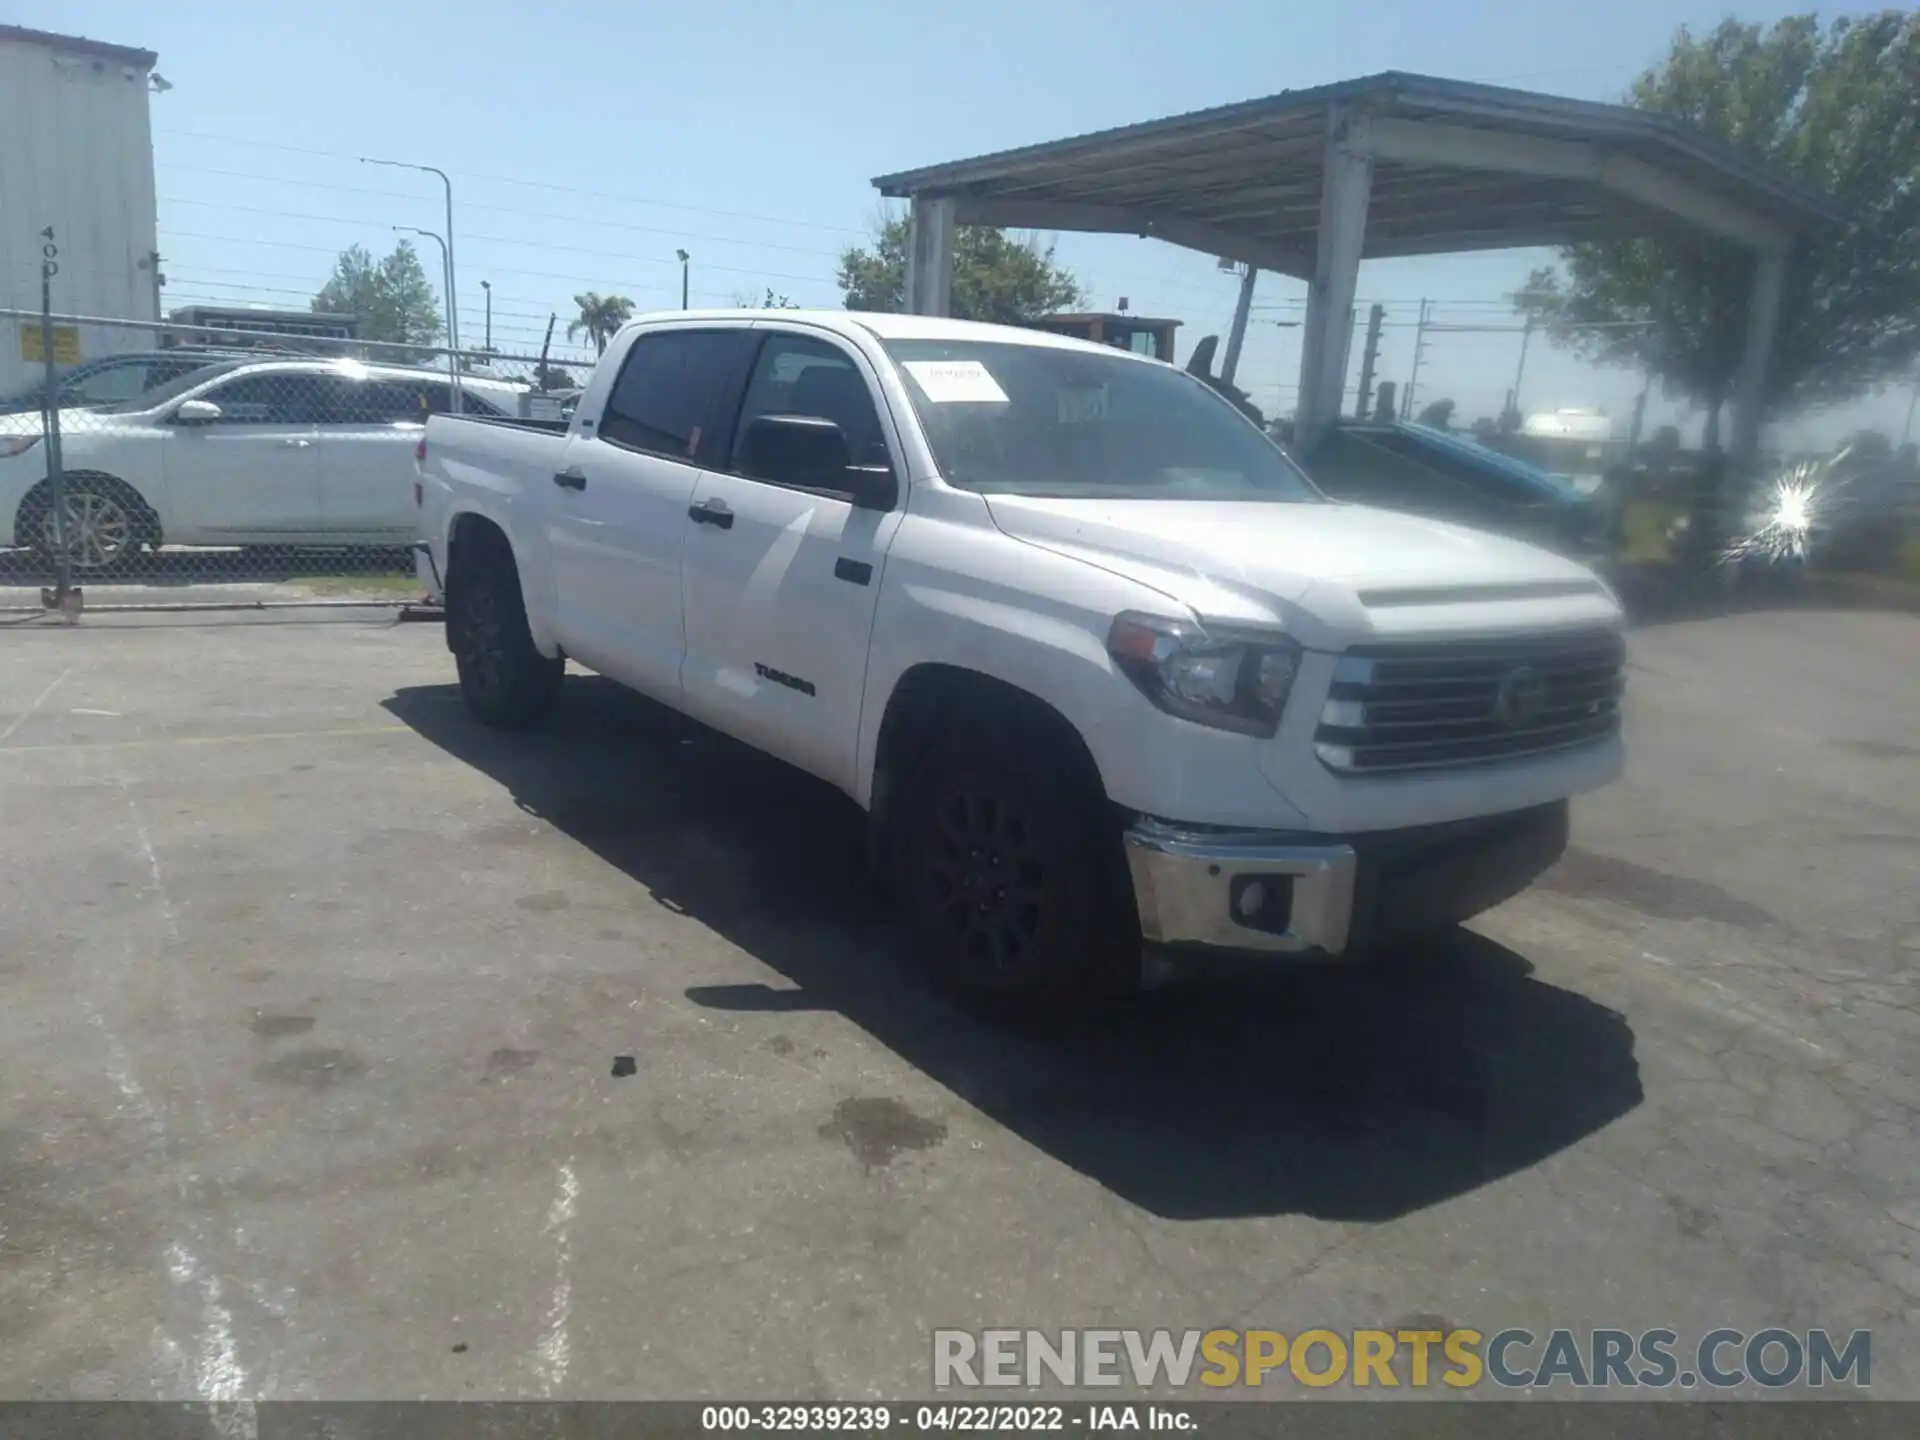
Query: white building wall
{"points": [[76, 153]]}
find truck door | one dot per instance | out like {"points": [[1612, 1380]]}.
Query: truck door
{"points": [[617, 520], [781, 582]]}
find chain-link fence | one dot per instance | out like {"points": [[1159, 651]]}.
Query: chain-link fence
{"points": [[193, 466]]}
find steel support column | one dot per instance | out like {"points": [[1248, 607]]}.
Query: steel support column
{"points": [[930, 255], [1750, 382], [1346, 185], [1237, 335]]}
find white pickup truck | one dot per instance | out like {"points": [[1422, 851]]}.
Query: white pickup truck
{"points": [[1099, 662]]}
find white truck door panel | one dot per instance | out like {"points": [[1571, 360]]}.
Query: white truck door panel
{"points": [[614, 533], [779, 610], [781, 583], [253, 474], [617, 514]]}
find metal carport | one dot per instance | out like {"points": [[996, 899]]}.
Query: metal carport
{"points": [[1309, 183]]}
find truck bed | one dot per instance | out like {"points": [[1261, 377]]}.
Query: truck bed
{"points": [[553, 427]]}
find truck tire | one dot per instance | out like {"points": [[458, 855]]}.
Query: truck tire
{"points": [[507, 682], [1010, 871]]}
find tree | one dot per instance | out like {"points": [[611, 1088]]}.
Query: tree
{"points": [[1485, 428], [746, 300], [390, 299], [995, 277], [1438, 414], [1839, 110], [1385, 403], [600, 318]]}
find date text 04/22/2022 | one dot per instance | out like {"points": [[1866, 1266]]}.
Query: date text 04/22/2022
{"points": [[961, 1417]]}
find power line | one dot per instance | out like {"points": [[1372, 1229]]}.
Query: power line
{"points": [[493, 239], [601, 280], [502, 210], [535, 184]]}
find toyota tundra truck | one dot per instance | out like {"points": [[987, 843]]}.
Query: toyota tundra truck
{"points": [[1113, 682]]}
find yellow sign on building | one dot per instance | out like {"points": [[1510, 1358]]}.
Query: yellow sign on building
{"points": [[66, 344]]}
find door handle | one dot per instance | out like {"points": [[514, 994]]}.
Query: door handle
{"points": [[711, 512], [570, 480]]}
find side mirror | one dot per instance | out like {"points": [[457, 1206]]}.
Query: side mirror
{"points": [[196, 412], [810, 451]]}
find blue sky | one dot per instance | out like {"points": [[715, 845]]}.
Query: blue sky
{"points": [[588, 142]]}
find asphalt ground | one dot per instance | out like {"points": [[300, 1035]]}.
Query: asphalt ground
{"points": [[314, 990]]}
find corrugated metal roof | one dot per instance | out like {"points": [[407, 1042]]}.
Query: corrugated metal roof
{"points": [[80, 45], [1254, 169]]}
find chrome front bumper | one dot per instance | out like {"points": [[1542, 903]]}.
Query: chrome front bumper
{"points": [[1240, 892]]}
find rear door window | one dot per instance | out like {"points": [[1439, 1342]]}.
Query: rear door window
{"points": [[668, 395], [114, 382], [275, 398]]}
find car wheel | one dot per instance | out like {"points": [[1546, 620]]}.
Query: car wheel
{"points": [[1008, 872], [107, 524], [507, 682]]}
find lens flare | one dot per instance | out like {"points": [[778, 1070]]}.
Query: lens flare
{"points": [[1786, 515]]}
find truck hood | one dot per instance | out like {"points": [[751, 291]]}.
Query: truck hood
{"points": [[1330, 574]]}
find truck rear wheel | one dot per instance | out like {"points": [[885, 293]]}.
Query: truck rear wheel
{"points": [[1008, 866], [507, 682]]}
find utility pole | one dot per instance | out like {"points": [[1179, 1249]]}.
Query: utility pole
{"points": [[1906, 430], [487, 287], [541, 374], [1526, 334], [1237, 336], [1370, 357], [1640, 416], [1419, 350], [153, 267], [684, 258]]}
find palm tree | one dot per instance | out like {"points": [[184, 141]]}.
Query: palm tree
{"points": [[601, 317]]}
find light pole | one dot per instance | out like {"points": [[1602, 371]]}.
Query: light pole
{"points": [[453, 315], [446, 276], [684, 257], [487, 286]]}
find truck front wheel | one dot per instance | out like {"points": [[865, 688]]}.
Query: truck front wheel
{"points": [[1011, 871], [507, 682]]}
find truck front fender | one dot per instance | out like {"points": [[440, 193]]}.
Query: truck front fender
{"points": [[1053, 649]]}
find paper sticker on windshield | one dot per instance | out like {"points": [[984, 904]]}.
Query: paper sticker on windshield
{"points": [[955, 382], [1080, 407]]}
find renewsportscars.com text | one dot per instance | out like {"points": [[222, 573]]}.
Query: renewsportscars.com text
{"points": [[1456, 1359]]}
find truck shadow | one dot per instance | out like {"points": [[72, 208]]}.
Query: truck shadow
{"points": [[1339, 1092]]}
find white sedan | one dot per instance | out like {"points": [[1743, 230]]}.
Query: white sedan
{"points": [[283, 452]]}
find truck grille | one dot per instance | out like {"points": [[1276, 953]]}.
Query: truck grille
{"points": [[1469, 702]]}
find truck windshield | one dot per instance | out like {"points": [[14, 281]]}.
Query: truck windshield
{"points": [[1007, 418]]}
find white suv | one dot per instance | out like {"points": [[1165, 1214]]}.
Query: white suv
{"points": [[280, 452]]}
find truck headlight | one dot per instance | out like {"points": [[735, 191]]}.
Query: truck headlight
{"points": [[12, 445], [1231, 681]]}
